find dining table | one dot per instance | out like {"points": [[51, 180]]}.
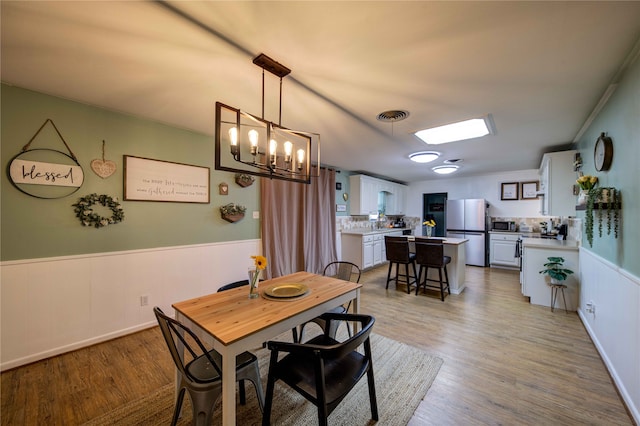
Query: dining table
{"points": [[231, 322]]}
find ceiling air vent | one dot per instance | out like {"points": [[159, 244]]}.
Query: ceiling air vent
{"points": [[392, 115]]}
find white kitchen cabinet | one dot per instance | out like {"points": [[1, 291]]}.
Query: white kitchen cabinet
{"points": [[364, 195], [366, 249], [503, 250], [557, 179], [378, 241], [367, 252], [368, 193], [398, 198]]}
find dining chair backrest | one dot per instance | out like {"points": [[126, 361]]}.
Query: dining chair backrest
{"points": [[397, 249], [174, 331], [324, 370], [429, 252], [343, 270], [236, 284]]}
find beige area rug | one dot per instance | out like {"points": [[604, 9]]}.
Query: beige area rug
{"points": [[403, 375]]}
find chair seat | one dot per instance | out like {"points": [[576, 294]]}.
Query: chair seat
{"points": [[298, 373], [201, 370]]}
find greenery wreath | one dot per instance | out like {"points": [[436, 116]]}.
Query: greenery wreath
{"points": [[88, 217]]}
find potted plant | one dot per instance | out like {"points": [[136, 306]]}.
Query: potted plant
{"points": [[555, 270], [232, 212], [244, 180]]}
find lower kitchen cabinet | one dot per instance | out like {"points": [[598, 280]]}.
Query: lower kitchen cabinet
{"points": [[365, 249], [503, 250]]}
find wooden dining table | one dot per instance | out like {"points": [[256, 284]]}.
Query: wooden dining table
{"points": [[232, 323]]}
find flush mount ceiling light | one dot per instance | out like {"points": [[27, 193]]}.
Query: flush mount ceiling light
{"points": [[467, 129], [424, 156], [445, 170], [250, 145]]}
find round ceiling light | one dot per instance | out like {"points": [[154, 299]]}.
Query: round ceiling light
{"points": [[445, 170], [424, 156]]}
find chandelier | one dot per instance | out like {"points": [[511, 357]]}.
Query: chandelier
{"points": [[252, 145]]}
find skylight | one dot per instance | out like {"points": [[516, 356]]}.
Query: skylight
{"points": [[467, 129]]}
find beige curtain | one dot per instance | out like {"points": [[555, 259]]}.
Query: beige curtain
{"points": [[298, 224]]}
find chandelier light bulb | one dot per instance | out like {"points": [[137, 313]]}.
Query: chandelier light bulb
{"points": [[288, 149], [233, 137], [253, 139], [300, 158], [273, 145]]}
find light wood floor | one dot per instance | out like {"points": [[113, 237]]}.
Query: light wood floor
{"points": [[505, 362]]}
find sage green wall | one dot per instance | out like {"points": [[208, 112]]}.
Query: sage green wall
{"points": [[342, 178], [620, 119], [37, 228]]}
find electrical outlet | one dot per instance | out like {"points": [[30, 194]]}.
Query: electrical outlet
{"points": [[256, 215], [591, 307], [144, 300]]}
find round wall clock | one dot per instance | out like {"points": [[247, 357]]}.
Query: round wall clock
{"points": [[603, 153]]}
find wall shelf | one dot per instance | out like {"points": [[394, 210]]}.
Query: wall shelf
{"points": [[601, 206]]}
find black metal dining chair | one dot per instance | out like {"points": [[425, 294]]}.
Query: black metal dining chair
{"points": [[200, 375], [343, 270], [398, 253], [323, 370], [430, 254]]}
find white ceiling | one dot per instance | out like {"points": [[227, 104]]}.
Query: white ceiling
{"points": [[539, 68]]}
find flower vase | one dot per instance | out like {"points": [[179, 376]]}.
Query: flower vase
{"points": [[583, 196], [254, 277], [429, 231]]}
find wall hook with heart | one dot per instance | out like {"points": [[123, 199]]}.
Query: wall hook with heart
{"points": [[103, 168]]}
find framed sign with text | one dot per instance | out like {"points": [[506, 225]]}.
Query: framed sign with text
{"points": [[528, 190], [157, 180], [45, 172], [509, 191]]}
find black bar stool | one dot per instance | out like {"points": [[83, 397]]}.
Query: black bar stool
{"points": [[430, 254], [398, 254]]}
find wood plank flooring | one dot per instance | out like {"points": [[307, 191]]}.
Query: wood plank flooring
{"points": [[505, 362]]}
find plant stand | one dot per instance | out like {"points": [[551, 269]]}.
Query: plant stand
{"points": [[554, 295]]}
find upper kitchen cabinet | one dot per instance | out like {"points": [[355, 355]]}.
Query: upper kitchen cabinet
{"points": [[556, 184], [372, 195]]}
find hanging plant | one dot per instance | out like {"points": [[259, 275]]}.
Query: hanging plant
{"points": [[244, 180], [232, 212], [88, 217], [607, 202]]}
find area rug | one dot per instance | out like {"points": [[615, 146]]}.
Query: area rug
{"points": [[403, 375]]}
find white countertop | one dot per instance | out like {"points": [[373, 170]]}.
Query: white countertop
{"points": [[449, 241], [369, 231], [526, 234], [550, 243]]}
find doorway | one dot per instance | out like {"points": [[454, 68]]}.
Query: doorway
{"points": [[434, 206]]}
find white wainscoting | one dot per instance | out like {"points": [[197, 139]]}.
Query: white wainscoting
{"points": [[614, 324], [55, 305]]}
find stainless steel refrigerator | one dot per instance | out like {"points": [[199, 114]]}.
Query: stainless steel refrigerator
{"points": [[469, 219]]}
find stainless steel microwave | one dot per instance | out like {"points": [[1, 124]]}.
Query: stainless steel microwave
{"points": [[508, 226]]}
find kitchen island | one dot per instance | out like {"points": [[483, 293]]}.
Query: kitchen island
{"points": [[455, 249], [535, 252], [365, 248]]}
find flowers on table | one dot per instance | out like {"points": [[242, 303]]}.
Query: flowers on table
{"points": [[260, 263], [430, 225], [587, 182]]}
